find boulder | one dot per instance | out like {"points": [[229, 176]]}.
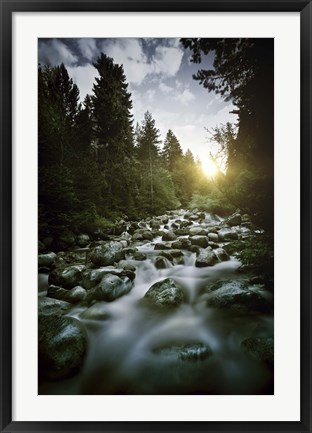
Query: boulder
{"points": [[213, 237], [260, 348], [48, 306], [110, 288], [46, 260], [138, 255], [161, 246], [198, 231], [169, 236], [126, 265], [227, 234], [66, 277], [142, 235], [181, 244], [206, 257], [107, 254], [221, 254], [165, 294], [93, 277], [234, 220], [201, 241], [236, 295], [162, 262], [62, 344], [186, 352], [74, 295], [82, 240]]}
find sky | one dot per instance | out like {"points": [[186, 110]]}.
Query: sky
{"points": [[159, 74]]}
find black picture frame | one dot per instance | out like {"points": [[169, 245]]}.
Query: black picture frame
{"points": [[7, 9]]}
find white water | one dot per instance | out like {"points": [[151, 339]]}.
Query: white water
{"points": [[121, 356]]}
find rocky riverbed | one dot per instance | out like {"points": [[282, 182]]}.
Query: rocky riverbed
{"points": [[158, 306]]}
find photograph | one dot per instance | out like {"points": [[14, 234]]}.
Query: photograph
{"points": [[156, 216]]}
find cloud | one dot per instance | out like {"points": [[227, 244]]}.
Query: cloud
{"points": [[167, 60], [88, 48], [165, 89], [84, 77], [54, 52], [162, 60], [185, 97]]}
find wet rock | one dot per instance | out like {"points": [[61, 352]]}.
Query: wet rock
{"points": [[165, 294], [206, 257], [169, 236], [139, 256], [198, 231], [181, 244], [92, 277], [162, 263], [107, 254], [181, 231], [82, 240], [221, 254], [76, 294], [46, 260], [142, 235], [62, 344], [195, 249], [110, 288], [234, 220], [201, 241], [236, 295], [171, 253], [97, 311], [126, 265], [66, 277], [227, 234], [161, 246], [48, 306], [213, 237], [126, 236], [186, 352], [260, 348]]}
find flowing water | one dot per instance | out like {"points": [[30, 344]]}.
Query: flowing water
{"points": [[122, 356]]}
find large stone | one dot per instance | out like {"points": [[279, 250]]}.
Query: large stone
{"points": [[48, 306], [205, 258], [221, 254], [110, 288], [201, 241], [236, 295], [234, 220], [169, 236], [165, 294], [213, 237], [198, 231], [161, 246], [82, 240], [66, 277], [107, 254], [142, 235], [62, 344], [91, 278], [181, 244], [46, 260], [74, 295], [227, 234], [186, 352], [260, 348], [162, 263]]}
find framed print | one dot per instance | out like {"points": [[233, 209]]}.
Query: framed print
{"points": [[155, 216]]}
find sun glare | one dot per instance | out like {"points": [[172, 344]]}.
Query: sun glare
{"points": [[209, 167]]}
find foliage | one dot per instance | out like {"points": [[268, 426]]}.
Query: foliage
{"points": [[213, 203], [256, 254]]}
